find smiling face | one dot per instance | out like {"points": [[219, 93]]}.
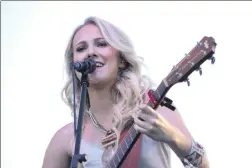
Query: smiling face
{"points": [[89, 42]]}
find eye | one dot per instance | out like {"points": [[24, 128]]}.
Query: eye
{"points": [[80, 48], [101, 44]]}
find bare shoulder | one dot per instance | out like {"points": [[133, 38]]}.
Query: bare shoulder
{"points": [[67, 130], [58, 152], [64, 135]]}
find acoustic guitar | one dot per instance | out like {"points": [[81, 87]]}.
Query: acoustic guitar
{"points": [[203, 51]]}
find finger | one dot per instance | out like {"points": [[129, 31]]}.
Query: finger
{"points": [[140, 129], [148, 118], [143, 107], [147, 109], [143, 124]]}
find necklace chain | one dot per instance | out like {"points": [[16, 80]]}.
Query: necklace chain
{"points": [[110, 137], [96, 123]]}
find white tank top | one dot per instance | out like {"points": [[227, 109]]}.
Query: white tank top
{"points": [[154, 154]]}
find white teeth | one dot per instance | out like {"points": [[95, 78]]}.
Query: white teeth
{"points": [[99, 64]]}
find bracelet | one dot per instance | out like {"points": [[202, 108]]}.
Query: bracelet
{"points": [[194, 158]]}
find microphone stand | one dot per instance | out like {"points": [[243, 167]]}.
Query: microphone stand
{"points": [[77, 157]]}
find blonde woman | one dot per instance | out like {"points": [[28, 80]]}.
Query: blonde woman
{"points": [[117, 92]]}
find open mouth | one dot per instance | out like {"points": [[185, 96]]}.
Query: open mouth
{"points": [[99, 64]]}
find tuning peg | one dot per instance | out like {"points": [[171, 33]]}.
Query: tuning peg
{"points": [[199, 43], [188, 82], [200, 70], [191, 63], [212, 60], [179, 75]]}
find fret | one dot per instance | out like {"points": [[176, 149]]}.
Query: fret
{"points": [[163, 87], [118, 157], [127, 139], [111, 164], [124, 146], [134, 132], [158, 94], [114, 161], [164, 82], [156, 97], [130, 135], [120, 151]]}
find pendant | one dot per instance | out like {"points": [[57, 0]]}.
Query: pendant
{"points": [[108, 143], [109, 139]]}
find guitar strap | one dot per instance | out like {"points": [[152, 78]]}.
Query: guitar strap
{"points": [[132, 160]]}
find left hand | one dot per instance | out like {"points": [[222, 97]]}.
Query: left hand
{"points": [[154, 125]]}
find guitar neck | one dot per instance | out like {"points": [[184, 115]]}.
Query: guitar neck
{"points": [[132, 135]]}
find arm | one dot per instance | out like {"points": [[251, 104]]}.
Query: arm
{"points": [[57, 154], [181, 139]]}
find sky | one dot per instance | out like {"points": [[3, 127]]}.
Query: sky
{"points": [[216, 107]]}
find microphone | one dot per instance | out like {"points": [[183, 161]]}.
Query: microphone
{"points": [[87, 66]]}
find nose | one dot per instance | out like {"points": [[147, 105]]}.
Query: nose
{"points": [[91, 55], [91, 52]]}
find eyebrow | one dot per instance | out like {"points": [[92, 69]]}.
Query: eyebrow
{"points": [[96, 39]]}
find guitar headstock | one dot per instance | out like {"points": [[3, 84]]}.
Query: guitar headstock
{"points": [[203, 51]]}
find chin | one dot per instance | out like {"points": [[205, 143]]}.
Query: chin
{"points": [[100, 82], [96, 81]]}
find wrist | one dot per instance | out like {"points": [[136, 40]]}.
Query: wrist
{"points": [[195, 157], [183, 143], [179, 143]]}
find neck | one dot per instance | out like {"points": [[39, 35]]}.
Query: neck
{"points": [[101, 104]]}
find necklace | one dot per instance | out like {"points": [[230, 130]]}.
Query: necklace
{"points": [[96, 123], [110, 137]]}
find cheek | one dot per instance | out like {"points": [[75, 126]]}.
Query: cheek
{"points": [[77, 57], [113, 63], [113, 58]]}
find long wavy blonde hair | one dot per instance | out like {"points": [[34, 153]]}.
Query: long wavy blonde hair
{"points": [[129, 90]]}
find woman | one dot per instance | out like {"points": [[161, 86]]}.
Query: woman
{"points": [[117, 93]]}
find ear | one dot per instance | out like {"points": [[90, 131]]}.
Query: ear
{"points": [[122, 64]]}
